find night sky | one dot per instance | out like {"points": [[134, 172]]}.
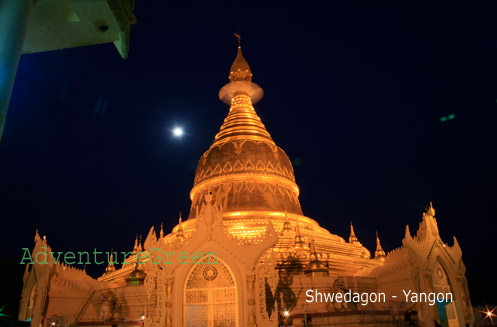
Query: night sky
{"points": [[354, 96]]}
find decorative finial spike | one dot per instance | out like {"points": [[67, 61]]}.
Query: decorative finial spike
{"points": [[179, 232], [180, 220], [312, 246], [286, 224], [431, 210], [240, 69], [352, 238], [37, 236], [110, 264], [315, 265], [237, 35], [135, 247], [379, 253]]}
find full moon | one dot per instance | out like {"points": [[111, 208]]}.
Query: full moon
{"points": [[178, 132]]}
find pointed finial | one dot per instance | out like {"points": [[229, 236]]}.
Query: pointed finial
{"points": [[431, 210], [408, 232], [352, 238], [110, 266], [237, 35], [240, 69], [179, 232], [315, 267], [140, 247], [379, 253], [37, 237], [240, 80], [312, 246], [135, 248], [287, 227], [161, 234], [297, 231]]}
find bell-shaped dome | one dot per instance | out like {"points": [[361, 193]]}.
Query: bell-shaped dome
{"points": [[244, 168]]}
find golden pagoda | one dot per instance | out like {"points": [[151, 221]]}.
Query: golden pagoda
{"points": [[248, 256]]}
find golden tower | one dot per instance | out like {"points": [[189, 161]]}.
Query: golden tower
{"points": [[252, 180], [248, 173]]}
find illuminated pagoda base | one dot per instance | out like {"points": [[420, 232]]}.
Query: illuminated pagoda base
{"points": [[262, 254]]}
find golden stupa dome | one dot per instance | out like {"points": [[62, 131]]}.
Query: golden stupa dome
{"points": [[251, 181], [244, 169]]}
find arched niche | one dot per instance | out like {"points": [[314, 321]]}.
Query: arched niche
{"points": [[447, 311], [210, 295]]}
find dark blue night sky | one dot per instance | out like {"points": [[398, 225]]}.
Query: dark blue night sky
{"points": [[354, 96]]}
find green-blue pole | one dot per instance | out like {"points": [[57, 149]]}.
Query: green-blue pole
{"points": [[14, 15]]}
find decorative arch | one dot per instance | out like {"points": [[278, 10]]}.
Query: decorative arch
{"points": [[210, 296], [447, 311]]}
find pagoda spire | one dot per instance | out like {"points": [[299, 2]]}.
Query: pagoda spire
{"points": [[240, 80], [379, 254], [242, 121], [431, 210], [110, 267], [352, 238], [299, 240], [135, 247], [37, 236], [179, 234], [243, 151], [240, 69], [161, 234], [315, 267], [408, 232], [287, 227]]}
